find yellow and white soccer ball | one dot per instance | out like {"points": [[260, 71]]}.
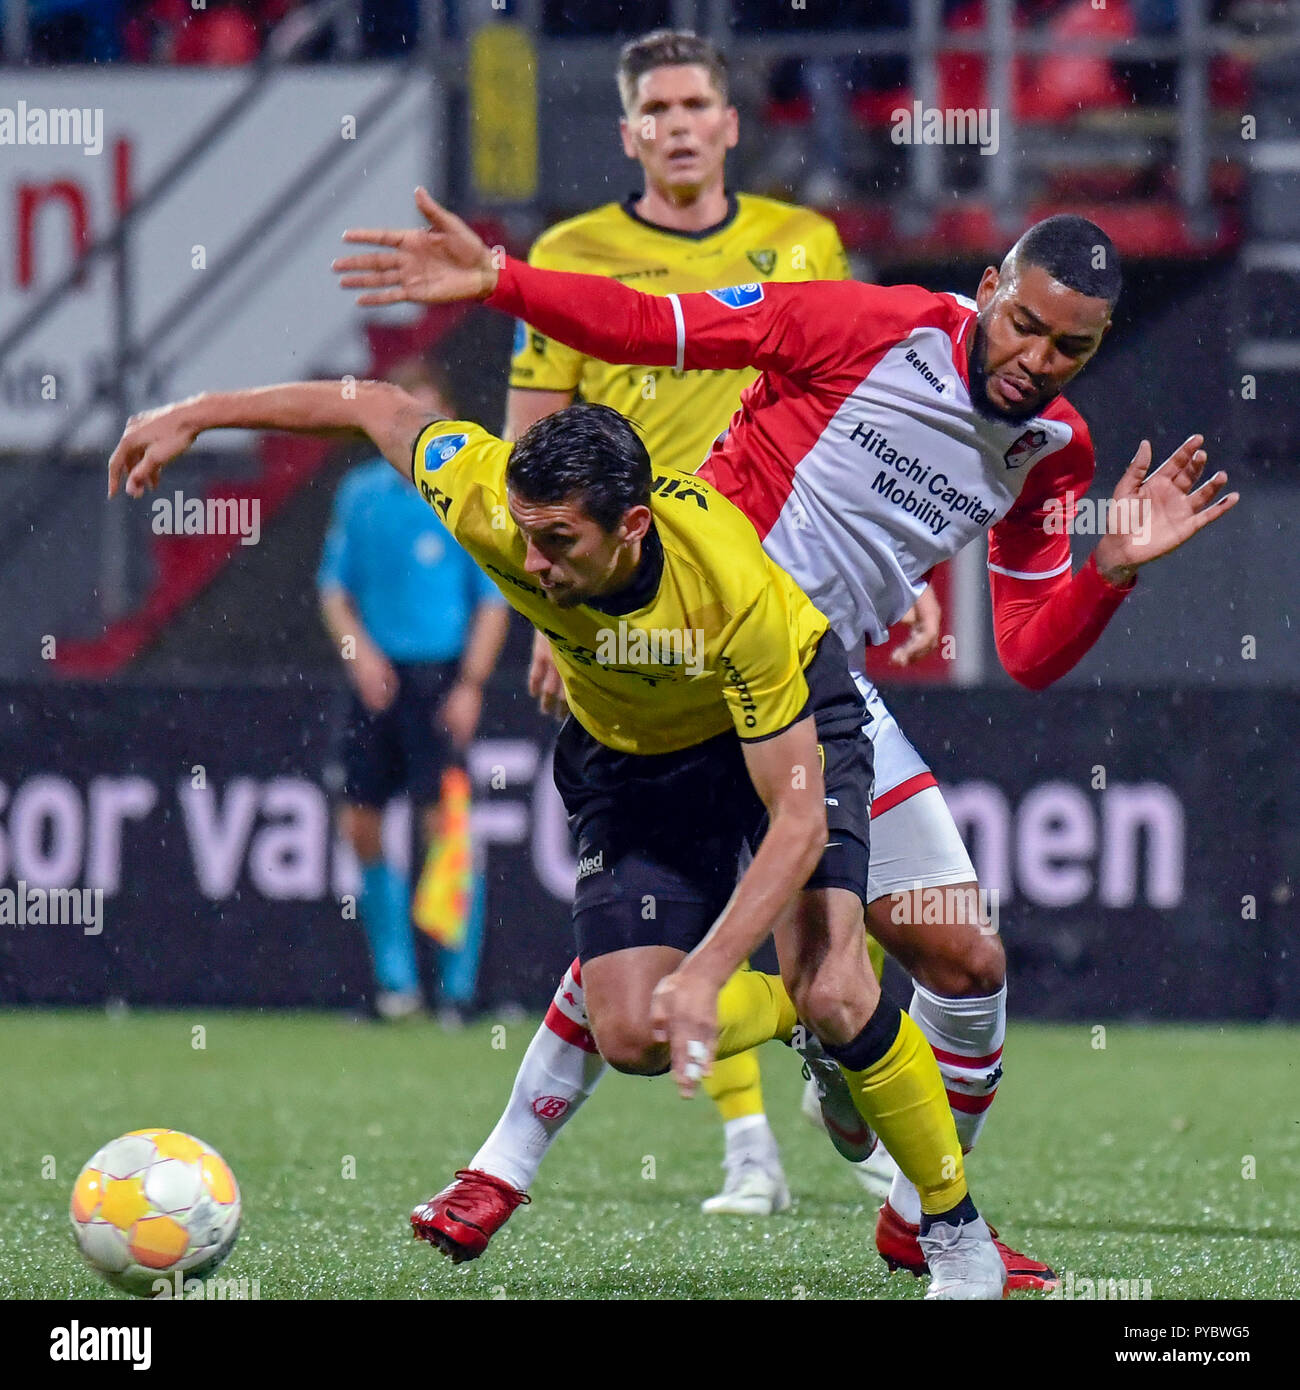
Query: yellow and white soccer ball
{"points": [[153, 1203]]}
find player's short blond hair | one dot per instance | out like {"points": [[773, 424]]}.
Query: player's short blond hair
{"points": [[664, 48]]}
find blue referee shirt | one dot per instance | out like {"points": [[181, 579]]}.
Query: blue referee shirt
{"points": [[413, 587]]}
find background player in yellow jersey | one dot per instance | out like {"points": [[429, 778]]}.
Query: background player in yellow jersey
{"points": [[712, 711], [684, 231]]}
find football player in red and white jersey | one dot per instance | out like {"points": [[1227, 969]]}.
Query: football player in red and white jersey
{"points": [[890, 428]]}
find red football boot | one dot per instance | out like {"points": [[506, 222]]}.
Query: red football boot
{"points": [[465, 1215], [899, 1248]]}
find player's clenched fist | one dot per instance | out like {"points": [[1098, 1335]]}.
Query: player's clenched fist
{"points": [[684, 1014], [438, 264], [150, 441]]}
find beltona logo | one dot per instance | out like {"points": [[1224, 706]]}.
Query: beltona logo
{"points": [[591, 864], [550, 1107], [945, 385], [738, 296], [442, 448]]}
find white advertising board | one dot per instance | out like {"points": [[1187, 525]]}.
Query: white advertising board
{"points": [[76, 146]]}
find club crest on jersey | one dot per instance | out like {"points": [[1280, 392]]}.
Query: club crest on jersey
{"points": [[763, 261], [442, 449], [1028, 446], [738, 296]]}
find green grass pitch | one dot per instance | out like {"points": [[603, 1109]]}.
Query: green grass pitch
{"points": [[1170, 1154]]}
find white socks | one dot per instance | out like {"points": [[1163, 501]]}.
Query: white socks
{"points": [[749, 1136], [561, 1067], [559, 1071], [966, 1035]]}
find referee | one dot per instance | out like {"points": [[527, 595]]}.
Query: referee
{"points": [[419, 628]]}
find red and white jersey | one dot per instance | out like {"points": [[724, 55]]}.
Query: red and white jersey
{"points": [[858, 454], [865, 473]]}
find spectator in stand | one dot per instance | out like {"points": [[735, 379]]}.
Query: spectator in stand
{"points": [[389, 28], [824, 86], [74, 31], [419, 628], [223, 34], [589, 18]]}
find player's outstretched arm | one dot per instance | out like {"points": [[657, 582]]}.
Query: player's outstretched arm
{"points": [[150, 441], [441, 263], [1045, 621], [446, 262], [1152, 514], [787, 327], [786, 773]]}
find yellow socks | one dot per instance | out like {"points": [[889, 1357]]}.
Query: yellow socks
{"points": [[900, 1094], [736, 1087], [876, 955], [890, 1069], [753, 1008]]}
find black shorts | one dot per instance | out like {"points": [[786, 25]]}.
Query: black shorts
{"points": [[403, 749], [661, 836]]}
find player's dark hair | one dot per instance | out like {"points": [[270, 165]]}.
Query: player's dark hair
{"points": [[1076, 253], [663, 48], [587, 452]]}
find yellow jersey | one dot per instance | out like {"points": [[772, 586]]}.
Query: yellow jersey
{"points": [[680, 413], [720, 644]]}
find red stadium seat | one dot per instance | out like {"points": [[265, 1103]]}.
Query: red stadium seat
{"points": [[872, 108], [220, 38], [1051, 87], [1068, 85]]}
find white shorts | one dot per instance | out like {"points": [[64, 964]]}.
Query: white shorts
{"points": [[914, 838]]}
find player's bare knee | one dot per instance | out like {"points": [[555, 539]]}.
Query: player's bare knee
{"points": [[834, 1005], [973, 965], [630, 1049], [990, 969]]}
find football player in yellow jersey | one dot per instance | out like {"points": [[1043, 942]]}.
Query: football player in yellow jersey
{"points": [[682, 232], [712, 713]]}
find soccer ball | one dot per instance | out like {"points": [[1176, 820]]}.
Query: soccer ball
{"points": [[154, 1203]]}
